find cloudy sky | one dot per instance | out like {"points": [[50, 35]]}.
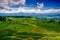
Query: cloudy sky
{"points": [[30, 6]]}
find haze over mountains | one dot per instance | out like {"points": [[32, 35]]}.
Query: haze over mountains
{"points": [[49, 15]]}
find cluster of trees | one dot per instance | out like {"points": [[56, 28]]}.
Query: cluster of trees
{"points": [[52, 21], [2, 18]]}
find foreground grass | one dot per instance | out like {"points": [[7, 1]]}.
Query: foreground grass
{"points": [[17, 28]]}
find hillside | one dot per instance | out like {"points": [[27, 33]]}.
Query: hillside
{"points": [[15, 28]]}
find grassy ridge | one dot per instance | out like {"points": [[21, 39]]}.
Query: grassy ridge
{"points": [[15, 28], [28, 23]]}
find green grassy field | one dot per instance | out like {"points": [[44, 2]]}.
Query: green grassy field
{"points": [[29, 28]]}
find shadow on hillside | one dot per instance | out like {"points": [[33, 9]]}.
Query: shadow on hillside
{"points": [[10, 34]]}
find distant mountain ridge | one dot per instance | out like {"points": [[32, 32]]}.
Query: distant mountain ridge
{"points": [[32, 14], [29, 14]]}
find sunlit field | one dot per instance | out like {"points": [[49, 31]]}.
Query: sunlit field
{"points": [[23, 28]]}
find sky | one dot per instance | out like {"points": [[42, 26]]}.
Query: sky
{"points": [[47, 3], [30, 6]]}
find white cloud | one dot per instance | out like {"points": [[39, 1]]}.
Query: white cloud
{"points": [[27, 10], [17, 2], [51, 10], [7, 3], [40, 5], [4, 3], [22, 2]]}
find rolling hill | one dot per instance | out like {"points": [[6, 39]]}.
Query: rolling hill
{"points": [[16, 28]]}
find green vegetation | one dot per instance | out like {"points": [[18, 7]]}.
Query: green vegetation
{"points": [[29, 28]]}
